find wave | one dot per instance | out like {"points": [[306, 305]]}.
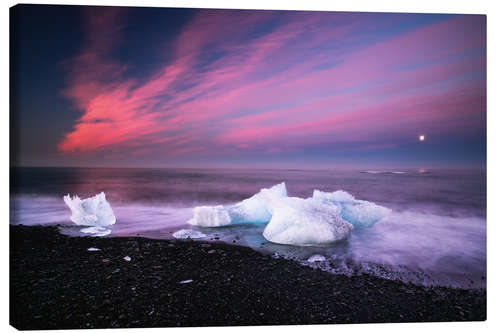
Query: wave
{"points": [[384, 172]]}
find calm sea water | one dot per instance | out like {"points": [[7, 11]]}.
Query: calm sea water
{"points": [[435, 235]]}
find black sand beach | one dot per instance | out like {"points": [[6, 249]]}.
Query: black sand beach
{"points": [[56, 283]]}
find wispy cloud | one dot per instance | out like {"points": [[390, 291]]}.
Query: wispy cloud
{"points": [[270, 82]]}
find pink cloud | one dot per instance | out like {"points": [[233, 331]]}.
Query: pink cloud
{"points": [[275, 92]]}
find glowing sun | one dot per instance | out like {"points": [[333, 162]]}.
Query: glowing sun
{"points": [[421, 137]]}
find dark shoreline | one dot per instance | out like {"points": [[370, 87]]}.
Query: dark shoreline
{"points": [[56, 283]]}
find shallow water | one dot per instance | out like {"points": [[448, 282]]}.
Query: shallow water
{"points": [[436, 233]]}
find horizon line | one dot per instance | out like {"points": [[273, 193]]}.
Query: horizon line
{"points": [[481, 167]]}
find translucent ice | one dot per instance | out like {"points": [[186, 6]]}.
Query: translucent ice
{"points": [[252, 210], [211, 216], [94, 211], [188, 233], [359, 213], [316, 258], [305, 222]]}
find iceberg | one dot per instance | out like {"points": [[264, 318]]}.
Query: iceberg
{"points": [[188, 233], [324, 218], [253, 210], [360, 213], [92, 212]]}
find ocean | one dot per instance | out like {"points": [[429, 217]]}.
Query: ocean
{"points": [[435, 234]]}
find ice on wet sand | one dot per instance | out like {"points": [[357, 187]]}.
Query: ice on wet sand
{"points": [[316, 258], [96, 231], [188, 233]]}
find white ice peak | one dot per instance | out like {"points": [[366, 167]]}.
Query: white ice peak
{"points": [[255, 209], [94, 211]]}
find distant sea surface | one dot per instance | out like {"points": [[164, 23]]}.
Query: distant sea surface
{"points": [[435, 235]]}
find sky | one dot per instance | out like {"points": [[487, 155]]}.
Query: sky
{"points": [[170, 87]]}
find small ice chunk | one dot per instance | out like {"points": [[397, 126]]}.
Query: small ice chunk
{"points": [[127, 258], [359, 213], [96, 231], [94, 211], [185, 281], [188, 233], [91, 249], [316, 257]]}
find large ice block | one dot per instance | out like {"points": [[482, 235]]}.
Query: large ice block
{"points": [[305, 222], [94, 212]]}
